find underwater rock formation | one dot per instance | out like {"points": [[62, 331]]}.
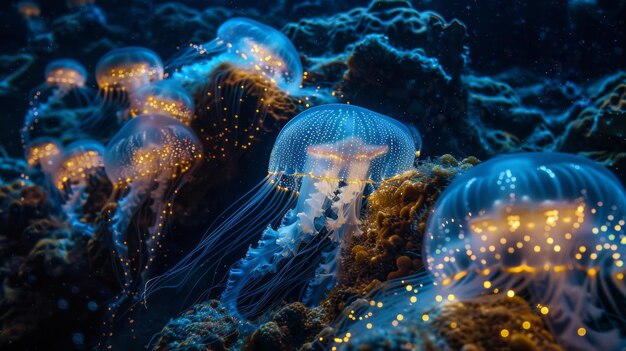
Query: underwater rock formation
{"points": [[205, 326], [390, 246]]}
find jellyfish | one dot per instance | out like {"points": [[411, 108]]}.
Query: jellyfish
{"points": [[44, 153], [39, 34], [124, 70], [165, 97], [148, 160], [323, 160], [545, 226], [79, 163], [243, 82], [245, 44], [64, 87]]}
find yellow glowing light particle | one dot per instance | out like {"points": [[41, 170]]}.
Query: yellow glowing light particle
{"points": [[413, 299], [504, 333], [425, 317], [510, 293], [399, 317], [368, 325], [581, 331], [487, 284], [544, 310], [526, 325]]}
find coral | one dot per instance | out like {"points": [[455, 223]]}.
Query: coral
{"points": [[492, 322], [599, 129], [390, 246], [288, 329], [204, 326], [21, 203]]}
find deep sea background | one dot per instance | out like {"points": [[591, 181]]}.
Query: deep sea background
{"points": [[477, 78]]}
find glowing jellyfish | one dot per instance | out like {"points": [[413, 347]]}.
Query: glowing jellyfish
{"points": [[44, 153], [242, 81], [546, 226], [79, 163], [323, 160], [64, 87], [125, 70], [39, 35], [248, 45], [150, 158], [164, 97]]}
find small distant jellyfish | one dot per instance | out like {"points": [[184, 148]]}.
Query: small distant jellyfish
{"points": [[64, 86], [545, 226], [165, 97], [246, 44], [39, 35], [149, 159], [124, 70], [44, 153], [79, 163], [322, 161]]}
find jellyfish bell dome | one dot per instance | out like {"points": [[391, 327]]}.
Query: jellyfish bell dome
{"points": [[264, 49], [165, 97], [526, 213], [148, 145], [128, 68], [79, 160], [65, 73], [45, 152], [345, 142]]}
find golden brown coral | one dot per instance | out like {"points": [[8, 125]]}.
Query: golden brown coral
{"points": [[492, 322], [390, 246]]}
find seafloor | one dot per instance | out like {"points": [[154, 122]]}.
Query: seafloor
{"points": [[477, 79]]}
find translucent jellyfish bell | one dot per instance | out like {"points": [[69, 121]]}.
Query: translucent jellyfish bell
{"points": [[548, 223], [45, 153], [250, 45], [151, 156], [321, 140], [165, 97], [65, 74], [127, 69]]}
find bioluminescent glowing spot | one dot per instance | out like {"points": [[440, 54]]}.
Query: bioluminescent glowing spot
{"points": [[546, 226], [28, 9], [151, 157], [165, 97], [248, 45], [127, 69], [320, 167], [79, 162]]}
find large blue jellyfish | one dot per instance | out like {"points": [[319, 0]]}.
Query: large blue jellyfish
{"points": [[546, 226], [150, 158], [79, 163], [245, 44], [323, 159]]}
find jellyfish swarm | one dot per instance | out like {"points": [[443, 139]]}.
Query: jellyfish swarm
{"points": [[326, 156], [245, 44], [120, 72], [545, 226], [64, 87], [150, 158], [79, 163], [165, 97]]}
